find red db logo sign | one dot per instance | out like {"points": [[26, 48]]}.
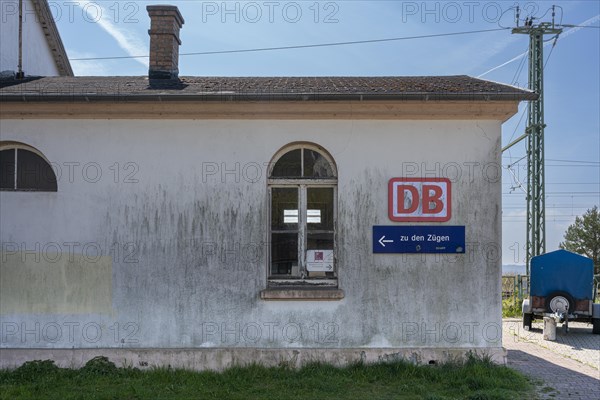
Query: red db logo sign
{"points": [[419, 199]]}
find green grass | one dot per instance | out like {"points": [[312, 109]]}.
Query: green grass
{"points": [[511, 308], [475, 379]]}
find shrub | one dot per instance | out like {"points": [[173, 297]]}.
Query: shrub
{"points": [[99, 366], [511, 308]]}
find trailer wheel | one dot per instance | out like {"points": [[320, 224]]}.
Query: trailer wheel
{"points": [[558, 301], [596, 326], [527, 319]]}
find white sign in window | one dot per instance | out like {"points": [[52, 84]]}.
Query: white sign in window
{"points": [[319, 260], [313, 216], [290, 216]]}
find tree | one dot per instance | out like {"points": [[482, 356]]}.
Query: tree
{"points": [[583, 237]]}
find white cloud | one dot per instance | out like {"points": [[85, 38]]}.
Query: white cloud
{"points": [[87, 68], [126, 39], [515, 213]]}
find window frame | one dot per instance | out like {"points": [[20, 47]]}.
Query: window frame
{"points": [[302, 184], [15, 146]]}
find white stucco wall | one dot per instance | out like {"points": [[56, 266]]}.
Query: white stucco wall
{"points": [[172, 289], [37, 56]]}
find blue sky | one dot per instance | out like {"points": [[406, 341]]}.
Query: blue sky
{"points": [[572, 78]]}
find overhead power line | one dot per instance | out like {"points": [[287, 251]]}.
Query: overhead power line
{"points": [[581, 26], [575, 161], [304, 46], [556, 160], [574, 28], [564, 183], [547, 207]]}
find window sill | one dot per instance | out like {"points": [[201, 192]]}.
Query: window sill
{"points": [[319, 294]]}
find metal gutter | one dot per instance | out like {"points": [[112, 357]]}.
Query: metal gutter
{"points": [[257, 97]]}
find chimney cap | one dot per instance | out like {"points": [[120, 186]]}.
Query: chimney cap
{"points": [[159, 9]]}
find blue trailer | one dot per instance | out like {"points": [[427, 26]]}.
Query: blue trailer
{"points": [[562, 286]]}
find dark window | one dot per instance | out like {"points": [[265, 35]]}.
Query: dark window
{"points": [[32, 172], [302, 232], [289, 165], [316, 166], [7, 169], [302, 163], [284, 231]]}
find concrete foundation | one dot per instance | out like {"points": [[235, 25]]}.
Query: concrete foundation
{"points": [[223, 358]]}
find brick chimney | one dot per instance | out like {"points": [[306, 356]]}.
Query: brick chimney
{"points": [[165, 24]]}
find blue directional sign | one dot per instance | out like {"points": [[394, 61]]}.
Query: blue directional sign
{"points": [[418, 239]]}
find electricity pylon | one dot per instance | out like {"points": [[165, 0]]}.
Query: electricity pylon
{"points": [[536, 207]]}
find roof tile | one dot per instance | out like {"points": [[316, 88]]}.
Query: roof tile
{"points": [[258, 88]]}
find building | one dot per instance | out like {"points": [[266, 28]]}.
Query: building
{"points": [[202, 222], [41, 48]]}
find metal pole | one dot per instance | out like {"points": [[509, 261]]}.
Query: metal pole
{"points": [[536, 207], [20, 63]]}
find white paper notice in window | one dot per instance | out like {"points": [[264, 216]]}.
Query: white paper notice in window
{"points": [[290, 216], [313, 216], [319, 260]]}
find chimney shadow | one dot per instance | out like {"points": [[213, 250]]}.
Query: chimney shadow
{"points": [[7, 81], [166, 84]]}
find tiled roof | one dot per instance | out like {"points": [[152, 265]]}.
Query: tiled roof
{"points": [[258, 88]]}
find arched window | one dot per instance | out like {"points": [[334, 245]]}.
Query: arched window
{"points": [[303, 192], [24, 168]]}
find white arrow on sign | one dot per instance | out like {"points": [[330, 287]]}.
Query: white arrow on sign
{"points": [[382, 241]]}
